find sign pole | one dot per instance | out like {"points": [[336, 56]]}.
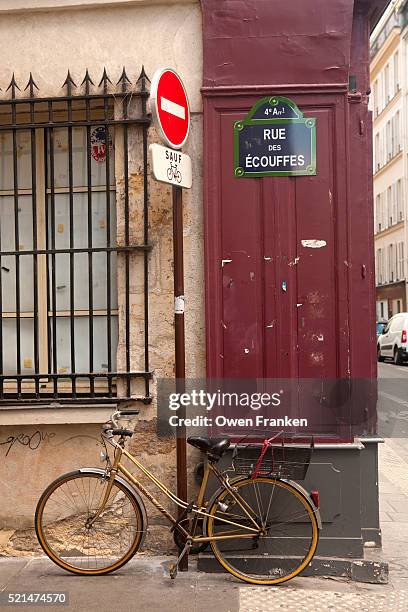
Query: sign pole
{"points": [[171, 113], [180, 371]]}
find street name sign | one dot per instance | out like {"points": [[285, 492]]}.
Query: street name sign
{"points": [[170, 107], [275, 139], [171, 166]]}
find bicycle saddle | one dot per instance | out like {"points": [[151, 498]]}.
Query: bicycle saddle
{"points": [[213, 446]]}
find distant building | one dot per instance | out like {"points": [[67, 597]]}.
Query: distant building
{"points": [[388, 67]]}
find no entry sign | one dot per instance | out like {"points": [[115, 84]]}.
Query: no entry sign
{"points": [[170, 107]]}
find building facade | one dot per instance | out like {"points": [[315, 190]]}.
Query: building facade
{"points": [[389, 105], [279, 271]]}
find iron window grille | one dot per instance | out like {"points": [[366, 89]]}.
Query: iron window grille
{"points": [[58, 339]]}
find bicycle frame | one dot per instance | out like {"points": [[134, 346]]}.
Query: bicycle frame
{"points": [[197, 508]]}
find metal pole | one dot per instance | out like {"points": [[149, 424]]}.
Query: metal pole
{"points": [[180, 371]]}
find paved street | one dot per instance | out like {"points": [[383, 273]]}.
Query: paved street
{"points": [[393, 400], [144, 583]]}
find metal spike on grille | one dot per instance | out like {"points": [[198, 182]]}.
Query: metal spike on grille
{"points": [[31, 85], [69, 83], [124, 80], [104, 81], [88, 82], [143, 76], [13, 86]]}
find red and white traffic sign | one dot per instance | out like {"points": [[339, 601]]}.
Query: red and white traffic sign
{"points": [[170, 107]]}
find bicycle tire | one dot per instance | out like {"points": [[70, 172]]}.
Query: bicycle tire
{"points": [[266, 568], [58, 528]]}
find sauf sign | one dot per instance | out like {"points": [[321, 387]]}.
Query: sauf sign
{"points": [[275, 139]]}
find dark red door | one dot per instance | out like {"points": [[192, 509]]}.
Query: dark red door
{"points": [[280, 240]]}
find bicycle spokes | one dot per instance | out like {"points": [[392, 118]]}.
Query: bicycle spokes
{"points": [[72, 534], [287, 531]]}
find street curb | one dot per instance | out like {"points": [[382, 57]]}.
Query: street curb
{"points": [[357, 570]]}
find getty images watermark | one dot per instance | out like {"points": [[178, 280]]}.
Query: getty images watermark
{"points": [[222, 401]]}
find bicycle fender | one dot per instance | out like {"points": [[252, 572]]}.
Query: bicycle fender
{"points": [[294, 484], [130, 489], [306, 493]]}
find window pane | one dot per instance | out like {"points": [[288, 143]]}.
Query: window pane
{"points": [[8, 280], [100, 344], [23, 160], [80, 220], [79, 157], [8, 262], [81, 281], [25, 223], [81, 265], [10, 346]]}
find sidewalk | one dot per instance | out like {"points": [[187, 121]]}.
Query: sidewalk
{"points": [[144, 583]]}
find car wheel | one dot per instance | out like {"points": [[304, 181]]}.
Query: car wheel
{"points": [[379, 356], [397, 356]]}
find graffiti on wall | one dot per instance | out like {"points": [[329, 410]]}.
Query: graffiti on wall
{"points": [[29, 441]]}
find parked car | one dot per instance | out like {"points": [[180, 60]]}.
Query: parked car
{"points": [[393, 340], [380, 326]]}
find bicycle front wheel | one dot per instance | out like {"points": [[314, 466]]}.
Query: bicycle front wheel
{"points": [[284, 532], [63, 530]]}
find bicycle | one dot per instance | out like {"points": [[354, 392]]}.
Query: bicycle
{"points": [[262, 528], [173, 173]]}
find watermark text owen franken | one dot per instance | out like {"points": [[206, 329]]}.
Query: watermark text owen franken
{"points": [[222, 401]]}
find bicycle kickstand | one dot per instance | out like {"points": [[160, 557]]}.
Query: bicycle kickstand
{"points": [[186, 550]]}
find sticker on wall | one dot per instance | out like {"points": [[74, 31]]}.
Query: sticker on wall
{"points": [[98, 144]]}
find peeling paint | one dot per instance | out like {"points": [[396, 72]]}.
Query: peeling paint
{"points": [[252, 276], [317, 358], [267, 258], [313, 243], [225, 261], [294, 262], [246, 350]]}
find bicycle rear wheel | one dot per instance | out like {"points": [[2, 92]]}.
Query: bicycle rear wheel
{"points": [[287, 537], [61, 524]]}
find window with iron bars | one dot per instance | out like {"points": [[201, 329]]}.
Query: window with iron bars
{"points": [[63, 251]]}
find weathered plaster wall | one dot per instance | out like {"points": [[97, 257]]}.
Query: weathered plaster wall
{"points": [[33, 456], [44, 5], [47, 44]]}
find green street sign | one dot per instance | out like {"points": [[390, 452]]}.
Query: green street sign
{"points": [[275, 139]]}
